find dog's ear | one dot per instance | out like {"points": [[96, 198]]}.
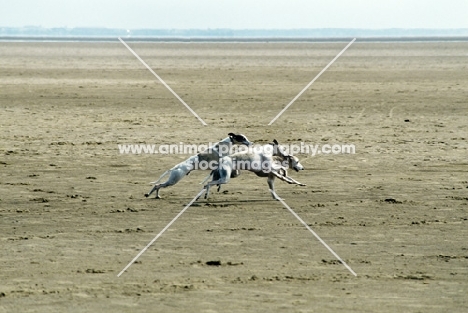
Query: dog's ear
{"points": [[275, 142]]}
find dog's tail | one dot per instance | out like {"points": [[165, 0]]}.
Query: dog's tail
{"points": [[160, 177]]}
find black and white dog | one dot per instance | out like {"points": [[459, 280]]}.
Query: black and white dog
{"points": [[211, 156], [270, 161]]}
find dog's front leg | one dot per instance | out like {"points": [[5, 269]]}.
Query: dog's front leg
{"points": [[287, 179], [271, 185], [281, 177], [293, 181]]}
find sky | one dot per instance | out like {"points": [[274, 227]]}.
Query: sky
{"points": [[235, 14]]}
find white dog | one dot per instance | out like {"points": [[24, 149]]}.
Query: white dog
{"points": [[270, 161], [211, 156]]}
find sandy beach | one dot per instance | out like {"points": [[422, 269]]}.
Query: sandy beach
{"points": [[73, 211]]}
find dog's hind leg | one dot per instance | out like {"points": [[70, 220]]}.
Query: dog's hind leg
{"points": [[214, 182], [234, 174], [223, 174], [207, 177], [216, 176], [207, 187], [155, 188], [175, 176], [160, 177]]}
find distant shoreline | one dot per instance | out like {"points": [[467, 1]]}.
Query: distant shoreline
{"points": [[231, 39]]}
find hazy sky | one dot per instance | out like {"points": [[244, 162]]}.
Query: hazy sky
{"points": [[236, 14]]}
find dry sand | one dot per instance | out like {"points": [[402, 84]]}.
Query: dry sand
{"points": [[72, 211]]}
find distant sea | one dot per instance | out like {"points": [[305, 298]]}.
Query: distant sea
{"points": [[229, 39], [38, 33]]}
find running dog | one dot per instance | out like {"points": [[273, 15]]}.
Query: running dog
{"points": [[211, 156], [270, 162]]}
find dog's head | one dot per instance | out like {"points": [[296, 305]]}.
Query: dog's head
{"points": [[294, 163], [239, 139]]}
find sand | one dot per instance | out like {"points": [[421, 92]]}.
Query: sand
{"points": [[73, 213]]}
